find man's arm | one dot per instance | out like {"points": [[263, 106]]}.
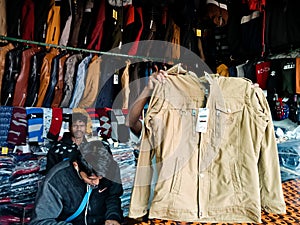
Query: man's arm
{"points": [[43, 214], [137, 107]]}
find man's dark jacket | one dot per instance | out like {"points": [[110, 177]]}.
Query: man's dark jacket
{"points": [[62, 150], [62, 192]]}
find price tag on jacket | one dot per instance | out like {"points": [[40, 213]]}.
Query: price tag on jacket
{"points": [[202, 120], [116, 78]]}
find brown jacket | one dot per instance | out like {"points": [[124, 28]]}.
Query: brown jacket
{"points": [[59, 88], [3, 51], [45, 75], [20, 93], [91, 89]]}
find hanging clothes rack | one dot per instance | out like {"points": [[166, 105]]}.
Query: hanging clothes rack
{"points": [[143, 58]]}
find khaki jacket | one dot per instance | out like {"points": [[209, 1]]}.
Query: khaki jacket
{"points": [[228, 173], [92, 84]]}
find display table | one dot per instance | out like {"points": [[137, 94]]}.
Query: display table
{"points": [[291, 191]]}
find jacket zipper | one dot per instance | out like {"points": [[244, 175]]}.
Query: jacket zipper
{"points": [[23, 99], [87, 205], [194, 121], [9, 96]]}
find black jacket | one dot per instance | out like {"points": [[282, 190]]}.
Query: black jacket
{"points": [[62, 150], [62, 192]]}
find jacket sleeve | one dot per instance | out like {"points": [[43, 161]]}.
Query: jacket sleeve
{"points": [[43, 214], [142, 183], [272, 199]]}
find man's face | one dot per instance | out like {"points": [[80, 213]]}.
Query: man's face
{"points": [[91, 180], [78, 129]]}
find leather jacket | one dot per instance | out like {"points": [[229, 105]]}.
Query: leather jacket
{"points": [[12, 70], [45, 75], [3, 51], [20, 93], [34, 79], [59, 87], [53, 80]]}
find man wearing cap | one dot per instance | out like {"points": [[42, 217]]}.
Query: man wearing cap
{"points": [[93, 175], [70, 142]]}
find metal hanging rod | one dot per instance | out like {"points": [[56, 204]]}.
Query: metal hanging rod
{"points": [[80, 49]]}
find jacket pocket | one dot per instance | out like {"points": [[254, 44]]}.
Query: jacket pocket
{"points": [[227, 117]]}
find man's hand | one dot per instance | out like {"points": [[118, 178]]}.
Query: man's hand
{"points": [[111, 222], [133, 118], [159, 76]]}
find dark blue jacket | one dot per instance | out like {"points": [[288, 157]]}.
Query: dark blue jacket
{"points": [[61, 193]]}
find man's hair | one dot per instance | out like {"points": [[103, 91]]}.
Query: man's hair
{"points": [[78, 117], [94, 159]]}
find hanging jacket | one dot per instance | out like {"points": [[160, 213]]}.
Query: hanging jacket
{"points": [[92, 81], [117, 34], [77, 14], [108, 89], [66, 20], [227, 173], [173, 36], [13, 15], [80, 81], [3, 52], [96, 34], [298, 75], [58, 90], [282, 25], [3, 24], [125, 86], [87, 23], [45, 75], [69, 78], [53, 25], [53, 80], [27, 20], [41, 11], [12, 70], [20, 93], [34, 78], [134, 48]]}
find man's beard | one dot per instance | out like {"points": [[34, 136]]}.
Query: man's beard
{"points": [[78, 134]]}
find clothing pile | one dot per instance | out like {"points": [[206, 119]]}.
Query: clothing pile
{"points": [[124, 156], [19, 176]]}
